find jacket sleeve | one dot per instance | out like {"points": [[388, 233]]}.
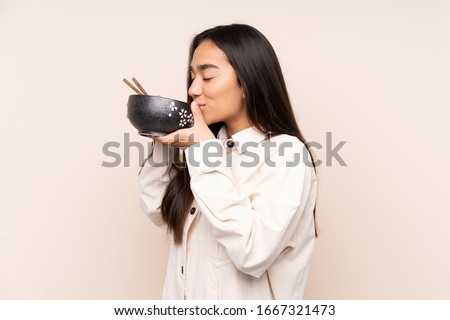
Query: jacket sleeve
{"points": [[153, 181], [254, 229]]}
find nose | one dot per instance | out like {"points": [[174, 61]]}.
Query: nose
{"points": [[195, 90]]}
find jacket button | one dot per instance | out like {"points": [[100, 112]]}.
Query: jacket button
{"points": [[229, 143], [192, 210]]}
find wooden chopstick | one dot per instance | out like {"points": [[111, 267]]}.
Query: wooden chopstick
{"points": [[139, 86], [132, 87]]}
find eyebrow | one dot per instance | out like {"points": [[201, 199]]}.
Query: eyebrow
{"points": [[204, 66]]}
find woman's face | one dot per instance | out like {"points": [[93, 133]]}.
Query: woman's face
{"points": [[215, 88]]}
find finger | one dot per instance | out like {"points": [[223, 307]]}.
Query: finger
{"points": [[197, 113], [157, 138], [166, 139]]}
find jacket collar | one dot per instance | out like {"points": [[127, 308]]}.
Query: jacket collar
{"points": [[250, 134]]}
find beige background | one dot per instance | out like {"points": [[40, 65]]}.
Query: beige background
{"points": [[374, 73]]}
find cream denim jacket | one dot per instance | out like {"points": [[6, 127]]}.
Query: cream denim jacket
{"points": [[250, 231]]}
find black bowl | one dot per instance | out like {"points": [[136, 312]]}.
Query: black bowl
{"points": [[158, 116]]}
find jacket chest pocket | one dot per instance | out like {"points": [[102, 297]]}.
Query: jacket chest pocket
{"points": [[217, 254], [210, 247], [206, 242]]}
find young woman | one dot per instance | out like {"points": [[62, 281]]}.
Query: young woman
{"points": [[240, 210]]}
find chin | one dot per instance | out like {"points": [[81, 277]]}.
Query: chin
{"points": [[208, 120]]}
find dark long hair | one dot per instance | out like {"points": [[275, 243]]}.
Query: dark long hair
{"points": [[266, 98]]}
